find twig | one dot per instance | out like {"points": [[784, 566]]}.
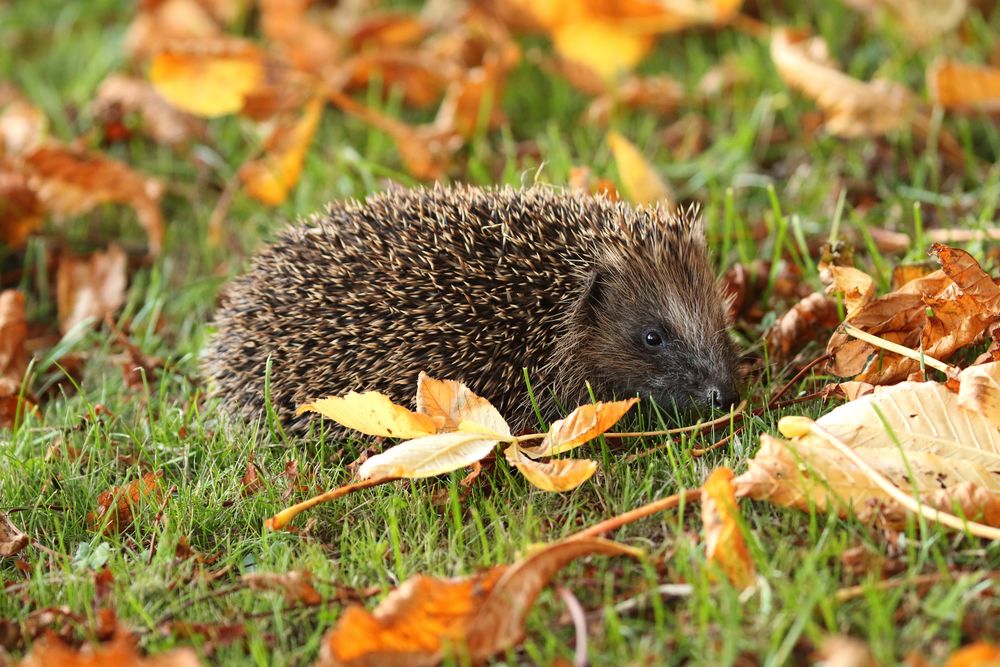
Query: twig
{"points": [[901, 350], [156, 519], [281, 519], [616, 522], [576, 613], [851, 592], [798, 376]]}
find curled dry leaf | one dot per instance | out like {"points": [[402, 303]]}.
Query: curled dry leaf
{"points": [[580, 426], [556, 475], [208, 78], [12, 540], [430, 455], [857, 287], [90, 288], [270, 178], [372, 413], [449, 403], [916, 434], [116, 507], [70, 182], [20, 210], [426, 620], [296, 585], [720, 516], [641, 183], [165, 124], [13, 358], [938, 313], [803, 322], [853, 108]]}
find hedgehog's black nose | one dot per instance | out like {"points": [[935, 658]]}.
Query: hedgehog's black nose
{"points": [[721, 396]]}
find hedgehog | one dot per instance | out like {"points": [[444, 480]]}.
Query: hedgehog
{"points": [[588, 296]]}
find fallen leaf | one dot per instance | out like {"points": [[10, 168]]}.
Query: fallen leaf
{"points": [[857, 287], [916, 434], [372, 413], [116, 507], [70, 182], [20, 210], [119, 95], [426, 620], [23, 127], [270, 178], [90, 288], [13, 333], [923, 20], [250, 482], [160, 23], [605, 48], [979, 654], [121, 651], [720, 517], [802, 323], [580, 426], [449, 403], [556, 475], [853, 108], [208, 78], [12, 540], [641, 183], [304, 41], [296, 585], [429, 455]]}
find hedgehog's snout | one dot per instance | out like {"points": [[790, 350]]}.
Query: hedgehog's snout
{"points": [[721, 395]]}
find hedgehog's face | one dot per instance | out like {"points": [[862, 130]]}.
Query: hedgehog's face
{"points": [[660, 332]]}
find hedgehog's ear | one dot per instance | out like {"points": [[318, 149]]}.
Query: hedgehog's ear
{"points": [[592, 302]]}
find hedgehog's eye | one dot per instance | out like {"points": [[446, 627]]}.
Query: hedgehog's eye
{"points": [[652, 338]]}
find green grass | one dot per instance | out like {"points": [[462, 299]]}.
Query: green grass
{"points": [[760, 170]]}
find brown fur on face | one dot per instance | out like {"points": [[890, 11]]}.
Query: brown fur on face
{"points": [[475, 285]]}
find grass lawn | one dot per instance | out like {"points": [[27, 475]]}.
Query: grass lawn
{"points": [[764, 174]]}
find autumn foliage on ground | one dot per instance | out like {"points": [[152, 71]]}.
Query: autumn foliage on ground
{"points": [[847, 512]]}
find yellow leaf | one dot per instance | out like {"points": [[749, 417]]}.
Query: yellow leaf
{"points": [[450, 403], [640, 181], [720, 517], [269, 178], [601, 46], [582, 425], [555, 475], [372, 413], [429, 455], [208, 78]]}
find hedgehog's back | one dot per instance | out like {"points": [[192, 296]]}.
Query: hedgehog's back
{"points": [[462, 283]]}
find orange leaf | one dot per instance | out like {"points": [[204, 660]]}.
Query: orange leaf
{"points": [[426, 619], [449, 403], [115, 507], [555, 475], [270, 178], [720, 517], [90, 287], [980, 654], [121, 651], [956, 85]]}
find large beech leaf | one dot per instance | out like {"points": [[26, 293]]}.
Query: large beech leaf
{"points": [[580, 426], [430, 455], [450, 403], [372, 413]]}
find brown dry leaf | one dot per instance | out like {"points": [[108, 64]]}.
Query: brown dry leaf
{"points": [[426, 619], [116, 506], [430, 455], [804, 322], [13, 333], [20, 210], [580, 426], [641, 183], [121, 651], [160, 23], [372, 413], [90, 288], [857, 287], [250, 482], [720, 516], [555, 475], [980, 654], [853, 108], [270, 178], [301, 39], [450, 403], [946, 454], [938, 313], [70, 182], [12, 540], [296, 585], [119, 95], [208, 78], [904, 273]]}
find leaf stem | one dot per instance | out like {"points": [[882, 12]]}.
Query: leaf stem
{"points": [[902, 350], [282, 518], [616, 522]]}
